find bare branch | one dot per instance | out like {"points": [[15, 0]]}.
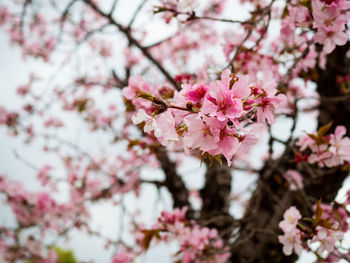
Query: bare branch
{"points": [[137, 11], [134, 42]]}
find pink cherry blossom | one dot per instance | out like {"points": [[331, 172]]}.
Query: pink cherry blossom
{"points": [[330, 39], [123, 255], [220, 102], [290, 219], [295, 180], [327, 239], [340, 147], [167, 128], [291, 241], [199, 133], [150, 122]]}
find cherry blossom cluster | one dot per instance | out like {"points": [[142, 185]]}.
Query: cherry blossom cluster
{"points": [[325, 229], [291, 240], [42, 210], [330, 19], [31, 249], [197, 244], [330, 150], [303, 25], [297, 16], [8, 118], [38, 28], [124, 255], [103, 178], [35, 208], [208, 117]]}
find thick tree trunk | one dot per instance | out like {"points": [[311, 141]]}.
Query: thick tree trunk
{"points": [[173, 181], [215, 196], [257, 241]]}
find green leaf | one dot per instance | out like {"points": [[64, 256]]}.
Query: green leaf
{"points": [[148, 236], [65, 256], [324, 129], [145, 95], [218, 158], [318, 212]]}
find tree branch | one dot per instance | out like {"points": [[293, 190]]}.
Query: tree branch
{"points": [[133, 41], [216, 195], [270, 199], [173, 180]]}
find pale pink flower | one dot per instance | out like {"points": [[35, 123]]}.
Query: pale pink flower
{"points": [[150, 123], [166, 124], [320, 154], [123, 255], [340, 147], [297, 15], [43, 174], [221, 104], [267, 99], [135, 85], [228, 143], [199, 134], [327, 16], [291, 241], [248, 140], [291, 217], [53, 122], [330, 39], [295, 180], [305, 142], [223, 101], [327, 239], [330, 24], [240, 88]]}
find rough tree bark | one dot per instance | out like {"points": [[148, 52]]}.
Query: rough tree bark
{"points": [[257, 241], [173, 181], [215, 197]]}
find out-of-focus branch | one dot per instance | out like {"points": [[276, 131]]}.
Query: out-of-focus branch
{"points": [[161, 41], [270, 199], [173, 180], [225, 20], [216, 195], [253, 23], [127, 32], [115, 2], [192, 16], [137, 11]]}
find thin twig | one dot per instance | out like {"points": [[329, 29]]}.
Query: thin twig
{"points": [[133, 41], [113, 7], [137, 11]]}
